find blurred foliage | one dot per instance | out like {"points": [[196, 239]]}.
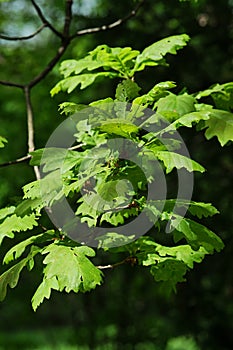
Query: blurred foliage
{"points": [[127, 312]]}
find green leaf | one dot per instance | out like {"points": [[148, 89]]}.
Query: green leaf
{"points": [[181, 104], [67, 268], [157, 92], [69, 108], [69, 84], [113, 239], [56, 158], [16, 223], [196, 234], [198, 209], [186, 120], [11, 276], [29, 205], [112, 189], [48, 189], [174, 160], [151, 253], [222, 94], [220, 124], [32, 190], [44, 291], [120, 128], [170, 272], [16, 251], [202, 209], [6, 212], [153, 54], [2, 141], [127, 90], [69, 67]]}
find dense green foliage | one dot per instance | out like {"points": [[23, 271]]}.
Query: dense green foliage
{"points": [[206, 60], [111, 200]]}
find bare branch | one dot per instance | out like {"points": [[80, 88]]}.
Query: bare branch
{"points": [[11, 84], [49, 67], [16, 161], [129, 260], [68, 18], [112, 266], [111, 25], [30, 123], [44, 20], [30, 36]]}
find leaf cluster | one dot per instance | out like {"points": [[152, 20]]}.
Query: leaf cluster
{"points": [[106, 177]]}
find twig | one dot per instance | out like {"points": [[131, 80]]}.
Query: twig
{"points": [[112, 266], [26, 158], [30, 123], [16, 161], [11, 84], [30, 36], [109, 26], [44, 20], [50, 66]]}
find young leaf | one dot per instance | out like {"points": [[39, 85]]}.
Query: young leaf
{"points": [[69, 84], [11, 276], [6, 212], [195, 234], [220, 124], [158, 91], [174, 160], [198, 209], [181, 104], [153, 54], [120, 128], [67, 268], [16, 251], [44, 291], [16, 223], [170, 272], [127, 90], [186, 120], [2, 141]]}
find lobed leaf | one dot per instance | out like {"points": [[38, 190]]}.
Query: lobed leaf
{"points": [[11, 276], [154, 54], [195, 234], [67, 268], [173, 160], [84, 80], [16, 251], [178, 104], [220, 124], [6, 212], [16, 223]]}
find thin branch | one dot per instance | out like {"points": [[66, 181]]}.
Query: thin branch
{"points": [[27, 157], [111, 25], [16, 161], [44, 20], [129, 260], [50, 66], [68, 18], [112, 266], [11, 84], [30, 36], [30, 123]]}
